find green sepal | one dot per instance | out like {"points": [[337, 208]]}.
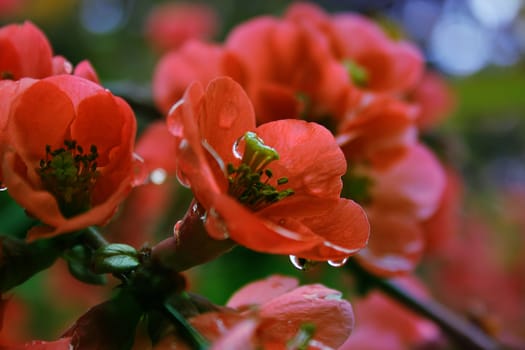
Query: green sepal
{"points": [[115, 258], [79, 260]]}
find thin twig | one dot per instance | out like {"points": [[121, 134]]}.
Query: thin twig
{"points": [[461, 331]]}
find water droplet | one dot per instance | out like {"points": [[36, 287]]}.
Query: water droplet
{"points": [[298, 263], [183, 180], [139, 171], [3, 188], [158, 176], [337, 263], [215, 224], [176, 228], [235, 148]]}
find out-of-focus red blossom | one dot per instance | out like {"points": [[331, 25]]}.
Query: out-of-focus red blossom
{"points": [[435, 100], [48, 112], [378, 131], [385, 324], [156, 146], [26, 52], [445, 223], [9, 7], [487, 278], [146, 204], [290, 71], [267, 314], [314, 222], [194, 61], [389, 66], [402, 198], [170, 25]]}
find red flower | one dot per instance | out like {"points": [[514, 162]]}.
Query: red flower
{"points": [[170, 25], [378, 131], [275, 312], [384, 324], [194, 61], [25, 52], [283, 196], [375, 61], [290, 71], [68, 159], [401, 198], [435, 99]]}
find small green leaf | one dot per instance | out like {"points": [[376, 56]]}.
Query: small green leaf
{"points": [[115, 258]]}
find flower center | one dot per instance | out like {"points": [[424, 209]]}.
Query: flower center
{"points": [[357, 73], [249, 182], [70, 175]]}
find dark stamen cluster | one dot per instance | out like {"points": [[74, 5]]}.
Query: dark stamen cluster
{"points": [[70, 174], [249, 188], [246, 181]]}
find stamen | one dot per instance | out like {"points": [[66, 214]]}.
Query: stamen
{"points": [[249, 182], [70, 176]]}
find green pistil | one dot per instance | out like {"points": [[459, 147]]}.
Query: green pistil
{"points": [[70, 175], [249, 182], [358, 73]]}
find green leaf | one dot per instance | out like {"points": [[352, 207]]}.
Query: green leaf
{"points": [[20, 260], [115, 258], [79, 259]]}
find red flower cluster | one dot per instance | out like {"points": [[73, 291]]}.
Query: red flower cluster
{"points": [[344, 72]]}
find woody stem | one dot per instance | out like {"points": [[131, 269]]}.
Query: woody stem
{"points": [[458, 329], [190, 245]]}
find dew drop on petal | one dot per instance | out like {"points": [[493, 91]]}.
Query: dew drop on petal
{"points": [[158, 176], [298, 263], [140, 174], [218, 223], [337, 263], [3, 187]]}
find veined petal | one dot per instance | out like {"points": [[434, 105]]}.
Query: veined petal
{"points": [[308, 156]]}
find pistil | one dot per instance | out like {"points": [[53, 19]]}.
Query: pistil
{"points": [[250, 181]]}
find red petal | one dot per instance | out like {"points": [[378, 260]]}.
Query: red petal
{"points": [[226, 115], [396, 244], [308, 156], [40, 116], [343, 231], [262, 291], [332, 316]]}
